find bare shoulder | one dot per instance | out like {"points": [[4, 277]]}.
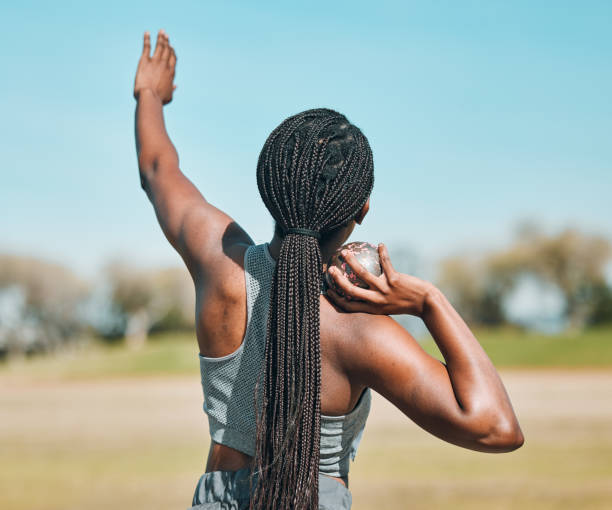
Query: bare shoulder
{"points": [[375, 350], [216, 243]]}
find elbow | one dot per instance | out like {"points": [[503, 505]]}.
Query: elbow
{"points": [[151, 164], [145, 174], [147, 163], [148, 166], [505, 436], [144, 183], [509, 441]]}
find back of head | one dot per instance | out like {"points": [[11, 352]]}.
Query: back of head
{"points": [[315, 173]]}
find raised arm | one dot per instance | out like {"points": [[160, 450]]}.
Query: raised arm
{"points": [[195, 228], [462, 401]]}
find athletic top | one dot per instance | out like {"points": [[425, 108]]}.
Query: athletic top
{"points": [[228, 382]]}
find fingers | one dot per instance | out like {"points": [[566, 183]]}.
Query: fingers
{"points": [[163, 51], [385, 262], [158, 45], [349, 306], [172, 61], [165, 48], [363, 274], [146, 47], [351, 290]]}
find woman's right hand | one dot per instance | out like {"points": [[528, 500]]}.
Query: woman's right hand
{"points": [[391, 293], [156, 72]]}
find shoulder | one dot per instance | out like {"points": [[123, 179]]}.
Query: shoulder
{"points": [[357, 330], [212, 247], [371, 347]]}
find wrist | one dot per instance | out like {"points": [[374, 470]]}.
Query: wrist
{"points": [[145, 91], [432, 299]]}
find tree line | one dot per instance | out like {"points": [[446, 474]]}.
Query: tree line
{"points": [[44, 306], [570, 261]]}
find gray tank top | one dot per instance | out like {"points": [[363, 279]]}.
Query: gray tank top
{"points": [[228, 382]]}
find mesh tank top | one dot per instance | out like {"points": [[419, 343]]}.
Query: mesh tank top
{"points": [[228, 382]]}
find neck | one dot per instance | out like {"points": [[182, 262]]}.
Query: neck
{"points": [[328, 247]]}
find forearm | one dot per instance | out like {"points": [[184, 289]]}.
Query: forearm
{"points": [[465, 401], [153, 145], [478, 388]]}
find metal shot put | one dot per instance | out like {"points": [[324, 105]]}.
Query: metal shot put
{"points": [[365, 253]]}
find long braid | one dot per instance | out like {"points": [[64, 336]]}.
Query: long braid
{"points": [[315, 172]]}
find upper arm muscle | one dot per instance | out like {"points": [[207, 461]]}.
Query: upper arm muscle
{"points": [[391, 362], [196, 229]]}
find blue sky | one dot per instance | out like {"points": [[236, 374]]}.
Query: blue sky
{"points": [[479, 114]]}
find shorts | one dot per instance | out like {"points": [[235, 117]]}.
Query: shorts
{"points": [[229, 490]]}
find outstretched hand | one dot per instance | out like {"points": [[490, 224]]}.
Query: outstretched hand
{"points": [[156, 72], [391, 293]]}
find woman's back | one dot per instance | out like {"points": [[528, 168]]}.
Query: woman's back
{"points": [[229, 381], [229, 376]]}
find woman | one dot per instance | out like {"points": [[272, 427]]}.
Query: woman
{"points": [[286, 372]]}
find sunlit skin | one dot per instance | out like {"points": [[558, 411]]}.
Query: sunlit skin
{"points": [[462, 401]]}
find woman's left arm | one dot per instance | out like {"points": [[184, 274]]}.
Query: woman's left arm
{"points": [[195, 228]]}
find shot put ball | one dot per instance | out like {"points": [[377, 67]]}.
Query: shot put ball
{"points": [[365, 253]]}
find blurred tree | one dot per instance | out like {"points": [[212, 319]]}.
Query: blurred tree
{"points": [[39, 304], [602, 305], [474, 288], [572, 261], [150, 300]]}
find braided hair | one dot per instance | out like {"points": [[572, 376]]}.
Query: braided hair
{"points": [[315, 173]]}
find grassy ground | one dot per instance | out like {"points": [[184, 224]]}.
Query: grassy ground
{"points": [[105, 427], [141, 442], [513, 348], [176, 354]]}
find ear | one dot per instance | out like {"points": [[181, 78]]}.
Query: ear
{"points": [[362, 213]]}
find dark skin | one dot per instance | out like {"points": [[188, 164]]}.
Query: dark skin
{"points": [[462, 401]]}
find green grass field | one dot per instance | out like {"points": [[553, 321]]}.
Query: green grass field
{"points": [[176, 354], [510, 347], [106, 427]]}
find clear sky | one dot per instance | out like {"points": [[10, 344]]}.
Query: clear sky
{"points": [[479, 114]]}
